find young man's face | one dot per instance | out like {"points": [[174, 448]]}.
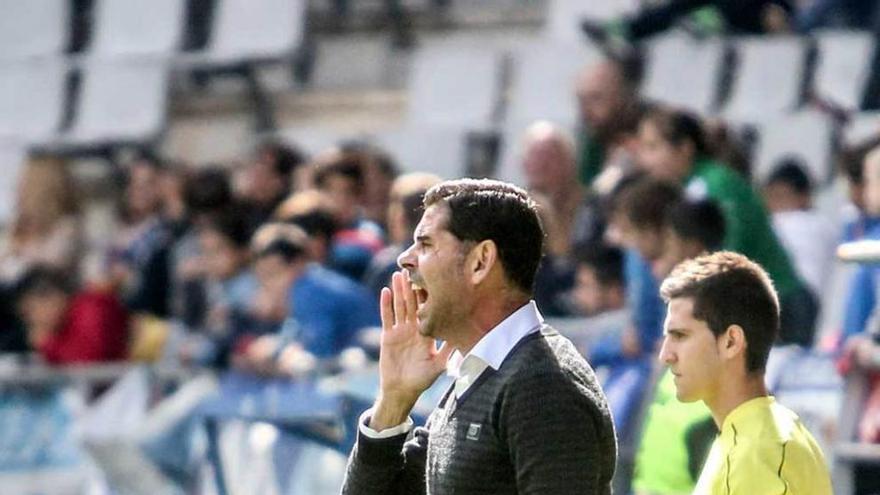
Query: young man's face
{"points": [[43, 310], [343, 194], [590, 295], [690, 349], [435, 263], [649, 242], [660, 158], [222, 258]]}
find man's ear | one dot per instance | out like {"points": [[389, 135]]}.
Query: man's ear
{"points": [[481, 259], [732, 343]]}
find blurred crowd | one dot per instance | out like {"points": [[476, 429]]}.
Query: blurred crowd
{"points": [[273, 266]]}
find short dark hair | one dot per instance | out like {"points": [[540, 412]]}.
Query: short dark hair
{"points": [[790, 170], [729, 289], [677, 127], [851, 159], [701, 220], [485, 209], [348, 164], [232, 224], [207, 190], [284, 158], [41, 280], [282, 239], [646, 203], [605, 261]]}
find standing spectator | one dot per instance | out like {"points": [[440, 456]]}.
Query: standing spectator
{"points": [[66, 327], [550, 171], [808, 236], [672, 148], [139, 254], [404, 211], [324, 310], [267, 179], [605, 92], [341, 177]]}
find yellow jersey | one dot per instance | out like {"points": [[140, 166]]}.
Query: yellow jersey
{"points": [[764, 448]]}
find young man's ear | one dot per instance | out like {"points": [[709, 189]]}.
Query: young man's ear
{"points": [[733, 342], [483, 257]]}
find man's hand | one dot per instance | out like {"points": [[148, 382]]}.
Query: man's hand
{"points": [[408, 361]]}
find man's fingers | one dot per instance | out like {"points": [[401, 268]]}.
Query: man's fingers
{"points": [[399, 302], [409, 299], [385, 311]]}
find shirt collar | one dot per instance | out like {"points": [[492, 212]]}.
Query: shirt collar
{"points": [[494, 347]]}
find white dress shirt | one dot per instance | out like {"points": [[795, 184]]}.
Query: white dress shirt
{"points": [[490, 351]]}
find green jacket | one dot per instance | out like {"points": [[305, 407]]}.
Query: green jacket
{"points": [[748, 229]]}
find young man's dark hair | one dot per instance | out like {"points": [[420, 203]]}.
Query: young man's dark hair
{"points": [[285, 158], [207, 190], [232, 224], [285, 240], [482, 209], [790, 170], [605, 261], [678, 127], [729, 289], [43, 280], [701, 220], [646, 203], [347, 164]]}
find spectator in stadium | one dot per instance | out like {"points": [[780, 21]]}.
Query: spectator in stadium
{"points": [[693, 227], [45, 227], [736, 16], [808, 237], [324, 311], [138, 259], [340, 175], [66, 327], [851, 160], [468, 282], [312, 211], [550, 170], [232, 289], [862, 297], [268, 179], [672, 148], [404, 211], [676, 436], [599, 286], [723, 316], [206, 192], [605, 92], [380, 171]]}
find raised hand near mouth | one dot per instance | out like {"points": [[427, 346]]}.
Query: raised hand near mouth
{"points": [[408, 361]]}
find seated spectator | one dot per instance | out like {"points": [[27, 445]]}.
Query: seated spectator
{"points": [[862, 297], [267, 179], [341, 177], [206, 193], [692, 228], [672, 148], [737, 16], [808, 236], [231, 290], [851, 161], [599, 286], [550, 170], [606, 93], [44, 229], [65, 327], [380, 172], [312, 211], [404, 212], [324, 311], [138, 260]]}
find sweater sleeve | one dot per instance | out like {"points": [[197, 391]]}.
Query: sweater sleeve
{"points": [[555, 448], [390, 466]]}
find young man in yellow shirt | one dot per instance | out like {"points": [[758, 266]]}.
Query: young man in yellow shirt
{"points": [[722, 318]]}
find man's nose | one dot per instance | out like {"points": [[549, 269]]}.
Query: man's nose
{"points": [[406, 260]]}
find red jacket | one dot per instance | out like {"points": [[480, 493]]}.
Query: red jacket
{"points": [[94, 329]]}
